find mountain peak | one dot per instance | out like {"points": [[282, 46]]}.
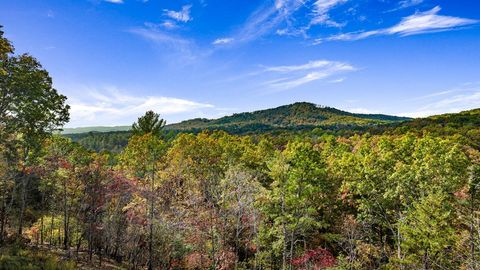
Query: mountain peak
{"points": [[293, 116]]}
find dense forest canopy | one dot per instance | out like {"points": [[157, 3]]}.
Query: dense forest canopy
{"points": [[296, 187]]}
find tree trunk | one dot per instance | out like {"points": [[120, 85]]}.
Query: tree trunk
{"points": [[256, 238], [51, 230], [284, 228], [23, 197], [41, 230], [2, 221], [65, 216], [399, 241], [212, 236], [23, 194], [150, 243], [473, 261], [292, 245], [426, 263]]}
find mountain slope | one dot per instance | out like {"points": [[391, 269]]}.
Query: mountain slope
{"points": [[305, 117], [95, 129], [466, 123], [295, 116]]}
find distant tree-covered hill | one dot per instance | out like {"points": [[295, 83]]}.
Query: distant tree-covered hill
{"points": [[300, 116], [95, 129], [304, 118], [297, 116], [466, 123]]}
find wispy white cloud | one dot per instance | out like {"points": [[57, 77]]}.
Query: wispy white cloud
{"points": [[405, 4], [462, 98], [182, 15], [114, 1], [418, 23], [339, 80], [362, 111], [308, 66], [160, 37], [296, 75], [110, 106], [222, 41], [409, 3], [428, 21], [279, 17], [265, 19], [321, 10], [182, 46], [169, 24]]}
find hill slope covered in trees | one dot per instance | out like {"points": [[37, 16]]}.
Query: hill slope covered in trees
{"points": [[300, 116]]}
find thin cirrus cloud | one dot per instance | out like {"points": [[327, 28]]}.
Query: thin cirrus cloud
{"points": [[110, 105], [409, 3], [182, 15], [287, 77], [321, 10], [418, 23], [114, 1], [465, 97], [169, 25], [362, 110], [161, 34], [184, 48], [406, 4], [222, 41], [279, 17], [263, 20]]}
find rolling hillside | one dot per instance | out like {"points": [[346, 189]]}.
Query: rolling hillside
{"points": [[296, 116], [95, 129], [299, 117]]}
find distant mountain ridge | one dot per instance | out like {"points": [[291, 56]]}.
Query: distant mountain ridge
{"points": [[95, 129], [296, 115], [303, 118]]}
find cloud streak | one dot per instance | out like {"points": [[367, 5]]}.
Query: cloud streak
{"points": [[418, 23], [223, 41], [114, 1], [296, 75], [111, 105], [321, 16], [180, 49], [182, 15], [267, 18], [455, 100]]}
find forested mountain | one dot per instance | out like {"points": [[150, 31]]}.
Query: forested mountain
{"points": [[294, 116], [346, 124], [297, 117], [464, 123], [94, 129], [301, 115]]}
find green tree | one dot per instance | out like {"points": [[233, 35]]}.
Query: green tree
{"points": [[149, 123], [298, 194], [6, 49], [30, 109], [37, 110], [429, 235], [140, 158], [239, 192]]}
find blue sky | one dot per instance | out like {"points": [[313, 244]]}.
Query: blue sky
{"points": [[116, 59]]}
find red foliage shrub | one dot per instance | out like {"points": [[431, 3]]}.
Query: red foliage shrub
{"points": [[317, 259]]}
